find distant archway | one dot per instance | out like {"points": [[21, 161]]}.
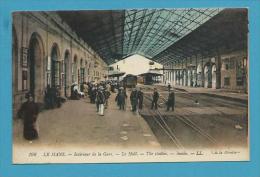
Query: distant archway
{"points": [[214, 77], [184, 78], [178, 77], [174, 77], [207, 76], [194, 78], [199, 75], [189, 78]]}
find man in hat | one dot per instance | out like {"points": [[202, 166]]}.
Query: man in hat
{"points": [[140, 99], [29, 112], [155, 99], [171, 100], [100, 100], [107, 95], [134, 99], [120, 98], [169, 87]]}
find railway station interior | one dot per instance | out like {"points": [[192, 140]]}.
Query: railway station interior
{"points": [[202, 54]]}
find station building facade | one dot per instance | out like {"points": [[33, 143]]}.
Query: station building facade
{"points": [[225, 70], [45, 51]]}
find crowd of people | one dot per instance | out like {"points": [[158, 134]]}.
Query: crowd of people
{"points": [[98, 93]]}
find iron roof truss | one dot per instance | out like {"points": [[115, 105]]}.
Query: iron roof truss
{"points": [[153, 33]]}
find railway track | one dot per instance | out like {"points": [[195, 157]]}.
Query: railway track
{"points": [[169, 132], [200, 100], [160, 121]]}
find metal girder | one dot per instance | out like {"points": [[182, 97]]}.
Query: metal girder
{"points": [[160, 34], [228, 28]]}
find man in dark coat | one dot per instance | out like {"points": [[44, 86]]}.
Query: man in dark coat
{"points": [[140, 99], [155, 99], [134, 99], [171, 101], [100, 100], [120, 98], [93, 94], [169, 87], [29, 112], [107, 95]]}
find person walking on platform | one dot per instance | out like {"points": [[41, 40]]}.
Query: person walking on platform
{"points": [[107, 95], [155, 99], [140, 99], [120, 98], [134, 99], [29, 112], [100, 99], [93, 94], [169, 87], [171, 101]]}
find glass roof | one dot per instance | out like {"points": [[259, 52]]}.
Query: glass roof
{"points": [[117, 34], [150, 31]]}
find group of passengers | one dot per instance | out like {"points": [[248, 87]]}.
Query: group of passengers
{"points": [[98, 93], [136, 99], [170, 103]]}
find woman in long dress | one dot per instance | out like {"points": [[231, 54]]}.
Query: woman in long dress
{"points": [[29, 112]]}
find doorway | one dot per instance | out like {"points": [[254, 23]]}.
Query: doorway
{"points": [[35, 58]]}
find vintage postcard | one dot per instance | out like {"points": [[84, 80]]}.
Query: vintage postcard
{"points": [[130, 85]]}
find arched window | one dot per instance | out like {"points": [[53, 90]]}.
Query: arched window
{"points": [[74, 69], [55, 67], [82, 71]]}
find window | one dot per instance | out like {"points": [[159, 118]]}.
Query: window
{"points": [[232, 62], [56, 73], [82, 75], [240, 72], [73, 72], [24, 80]]}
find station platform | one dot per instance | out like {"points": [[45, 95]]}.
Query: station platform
{"points": [[77, 123], [220, 93]]}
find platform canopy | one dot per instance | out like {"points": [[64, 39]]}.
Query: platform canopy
{"points": [[115, 74], [117, 34]]}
